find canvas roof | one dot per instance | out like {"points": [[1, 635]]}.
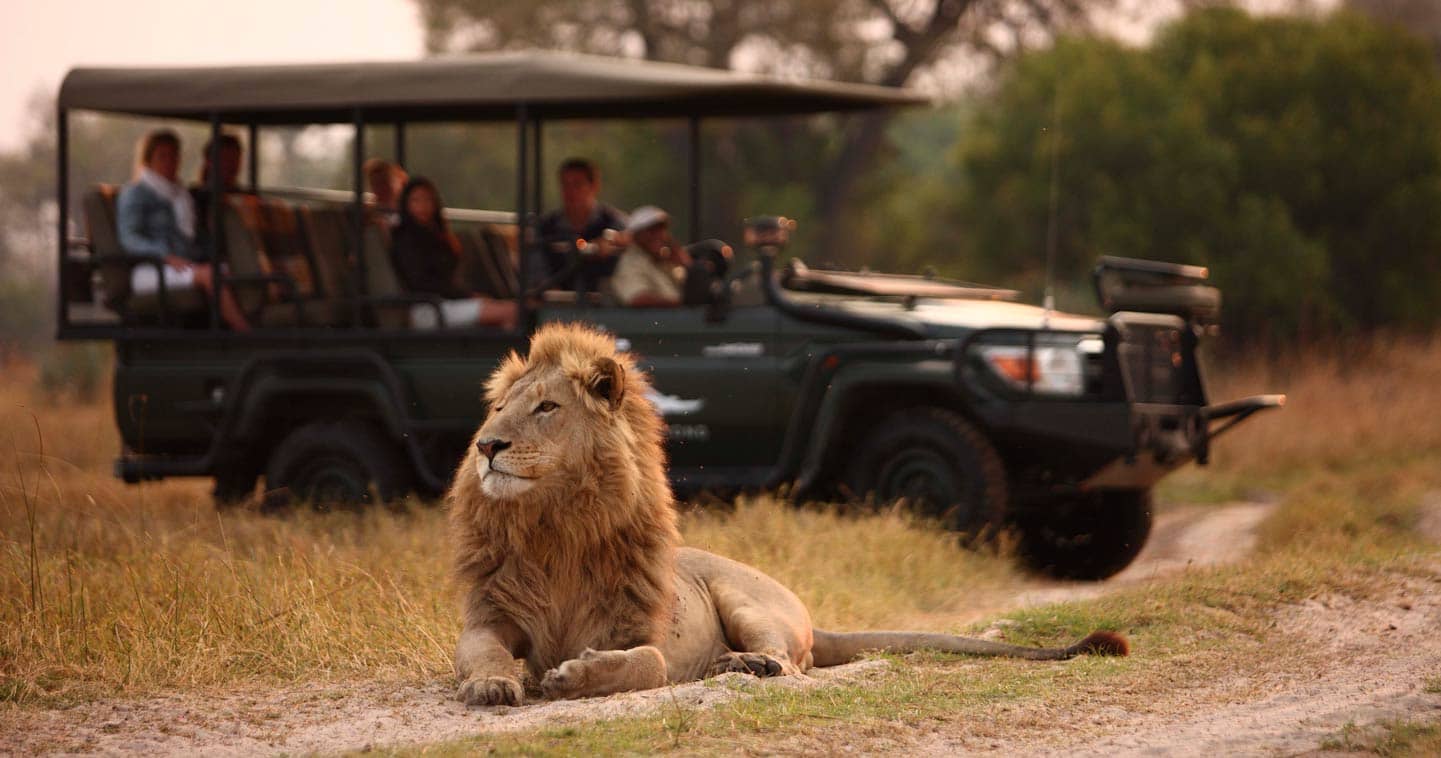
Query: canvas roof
{"points": [[475, 87]]}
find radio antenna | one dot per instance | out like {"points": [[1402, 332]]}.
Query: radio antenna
{"points": [[1048, 299]]}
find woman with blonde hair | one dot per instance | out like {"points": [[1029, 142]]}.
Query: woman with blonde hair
{"points": [[155, 217]]}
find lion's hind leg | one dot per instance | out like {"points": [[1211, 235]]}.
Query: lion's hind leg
{"points": [[767, 636], [756, 664], [603, 672]]}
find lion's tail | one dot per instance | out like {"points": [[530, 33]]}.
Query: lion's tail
{"points": [[834, 648]]}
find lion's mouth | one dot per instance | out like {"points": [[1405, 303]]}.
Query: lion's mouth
{"points": [[493, 470]]}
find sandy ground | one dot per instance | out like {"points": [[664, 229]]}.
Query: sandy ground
{"points": [[1367, 662]]}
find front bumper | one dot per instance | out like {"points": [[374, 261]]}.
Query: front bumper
{"points": [[1164, 437]]}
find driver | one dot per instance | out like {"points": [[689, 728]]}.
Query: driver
{"points": [[651, 272], [582, 218]]}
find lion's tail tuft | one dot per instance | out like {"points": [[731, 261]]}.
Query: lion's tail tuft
{"points": [[1101, 642]]}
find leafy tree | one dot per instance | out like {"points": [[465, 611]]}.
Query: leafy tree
{"points": [[1300, 158], [1420, 17]]}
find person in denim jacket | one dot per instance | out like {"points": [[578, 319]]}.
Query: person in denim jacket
{"points": [[155, 217]]}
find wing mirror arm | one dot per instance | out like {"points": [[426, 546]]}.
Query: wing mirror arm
{"points": [[768, 235]]}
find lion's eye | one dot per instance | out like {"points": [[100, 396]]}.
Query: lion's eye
{"points": [[546, 406]]}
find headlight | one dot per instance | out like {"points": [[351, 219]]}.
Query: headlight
{"points": [[1055, 365]]}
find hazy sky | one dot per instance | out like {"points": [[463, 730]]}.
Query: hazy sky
{"points": [[42, 39]]}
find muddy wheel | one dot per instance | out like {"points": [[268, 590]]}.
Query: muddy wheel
{"points": [[335, 465], [1087, 537], [938, 463]]}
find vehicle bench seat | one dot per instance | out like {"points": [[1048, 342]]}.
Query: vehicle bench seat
{"points": [[305, 246]]}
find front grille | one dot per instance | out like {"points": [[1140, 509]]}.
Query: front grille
{"points": [[1156, 363]]}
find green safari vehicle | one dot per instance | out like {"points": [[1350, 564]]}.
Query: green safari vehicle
{"points": [[979, 410]]}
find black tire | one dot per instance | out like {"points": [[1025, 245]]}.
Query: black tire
{"points": [[343, 464], [940, 464], [234, 486], [1088, 537]]}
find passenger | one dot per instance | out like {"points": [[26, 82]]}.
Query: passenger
{"points": [[385, 180], [651, 272], [426, 254], [230, 154], [581, 217], [155, 217]]}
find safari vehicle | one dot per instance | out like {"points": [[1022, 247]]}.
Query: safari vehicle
{"points": [[979, 410]]}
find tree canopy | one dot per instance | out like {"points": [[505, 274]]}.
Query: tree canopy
{"points": [[1299, 158]]}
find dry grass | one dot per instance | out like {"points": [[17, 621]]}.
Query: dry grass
{"points": [[107, 589], [1351, 407]]}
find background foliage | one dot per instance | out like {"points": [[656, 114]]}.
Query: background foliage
{"points": [[1300, 158], [1297, 155]]}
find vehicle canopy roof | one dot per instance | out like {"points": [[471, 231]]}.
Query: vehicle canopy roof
{"points": [[477, 87]]}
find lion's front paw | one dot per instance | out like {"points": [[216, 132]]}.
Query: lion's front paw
{"points": [[489, 690], [757, 664], [564, 681]]}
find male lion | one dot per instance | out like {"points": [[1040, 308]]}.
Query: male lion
{"points": [[567, 553]]}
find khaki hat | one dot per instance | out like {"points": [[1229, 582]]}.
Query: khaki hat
{"points": [[645, 217]]}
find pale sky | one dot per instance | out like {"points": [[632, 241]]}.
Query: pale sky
{"points": [[42, 39]]}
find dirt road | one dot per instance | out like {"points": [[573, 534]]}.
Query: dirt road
{"points": [[1374, 660]]}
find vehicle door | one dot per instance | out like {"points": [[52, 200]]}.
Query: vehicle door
{"points": [[715, 382]]}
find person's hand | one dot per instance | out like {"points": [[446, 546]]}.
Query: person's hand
{"points": [[610, 242], [673, 252], [678, 254], [178, 263]]}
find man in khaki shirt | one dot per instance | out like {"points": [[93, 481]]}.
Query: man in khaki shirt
{"points": [[650, 272]]}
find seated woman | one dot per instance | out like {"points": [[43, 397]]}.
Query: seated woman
{"points": [[155, 217], [427, 258]]}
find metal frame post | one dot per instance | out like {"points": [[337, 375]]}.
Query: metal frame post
{"points": [[538, 175], [522, 223], [253, 144], [358, 211], [694, 165], [217, 252], [62, 201], [400, 144]]}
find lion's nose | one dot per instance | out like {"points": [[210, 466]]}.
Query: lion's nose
{"points": [[490, 446]]}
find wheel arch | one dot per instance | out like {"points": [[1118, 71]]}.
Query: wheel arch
{"points": [[274, 396], [859, 399]]}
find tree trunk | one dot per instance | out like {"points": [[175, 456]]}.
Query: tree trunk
{"points": [[868, 131]]}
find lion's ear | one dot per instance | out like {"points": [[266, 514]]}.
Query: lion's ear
{"points": [[606, 381]]}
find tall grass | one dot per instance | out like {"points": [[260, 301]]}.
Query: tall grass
{"points": [[1351, 406], [113, 589], [107, 588]]}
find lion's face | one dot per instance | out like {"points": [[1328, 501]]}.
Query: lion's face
{"points": [[546, 427]]}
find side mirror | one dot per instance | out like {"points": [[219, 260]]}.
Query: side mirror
{"points": [[706, 283], [768, 231]]}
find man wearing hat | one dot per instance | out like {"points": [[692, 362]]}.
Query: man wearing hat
{"points": [[650, 273]]}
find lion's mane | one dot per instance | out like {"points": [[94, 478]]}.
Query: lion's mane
{"points": [[599, 549]]}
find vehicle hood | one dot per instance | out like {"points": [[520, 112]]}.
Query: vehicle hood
{"points": [[951, 318]]}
